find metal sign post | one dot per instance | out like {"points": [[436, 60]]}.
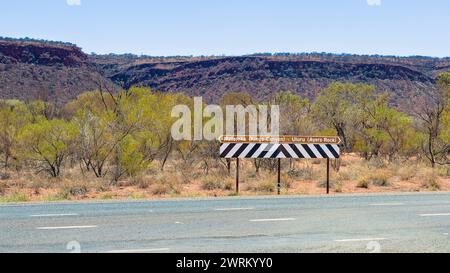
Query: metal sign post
{"points": [[278, 147], [279, 176], [328, 176], [237, 175]]}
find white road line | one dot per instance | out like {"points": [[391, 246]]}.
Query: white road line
{"points": [[388, 204], [233, 209], [54, 215], [434, 214], [65, 227], [273, 220], [360, 240], [140, 250]]}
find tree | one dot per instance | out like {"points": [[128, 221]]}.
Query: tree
{"points": [[295, 113], [384, 130], [339, 106], [47, 143], [433, 118], [97, 120], [13, 116]]}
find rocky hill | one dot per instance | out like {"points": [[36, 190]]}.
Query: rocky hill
{"points": [[59, 72], [48, 71], [262, 76]]}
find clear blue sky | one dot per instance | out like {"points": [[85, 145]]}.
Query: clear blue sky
{"points": [[235, 27]]}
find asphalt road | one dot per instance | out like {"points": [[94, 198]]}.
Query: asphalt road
{"points": [[369, 223]]}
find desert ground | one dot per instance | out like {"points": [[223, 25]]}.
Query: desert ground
{"points": [[299, 177]]}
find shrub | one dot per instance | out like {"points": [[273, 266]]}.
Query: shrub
{"points": [[431, 182], [5, 176], [444, 171], [160, 189], [140, 181], [102, 186], [344, 176], [107, 196], [252, 175], [363, 183], [73, 188], [379, 179], [338, 187], [377, 163], [305, 173], [407, 173], [286, 182], [38, 184], [166, 188], [323, 183], [266, 186], [215, 183], [136, 195]]}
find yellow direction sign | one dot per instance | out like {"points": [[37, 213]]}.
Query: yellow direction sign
{"points": [[281, 139]]}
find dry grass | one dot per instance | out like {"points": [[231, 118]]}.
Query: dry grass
{"points": [[213, 182], [177, 180], [407, 173], [3, 187], [263, 186], [430, 180]]}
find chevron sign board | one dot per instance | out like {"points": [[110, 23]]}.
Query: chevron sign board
{"points": [[279, 150]]}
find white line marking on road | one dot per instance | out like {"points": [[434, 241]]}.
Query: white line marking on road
{"points": [[434, 214], [273, 220], [388, 204], [54, 215], [360, 240], [140, 250], [179, 223], [233, 209], [66, 227]]}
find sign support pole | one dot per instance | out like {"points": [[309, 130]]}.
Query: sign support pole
{"points": [[328, 176], [237, 175], [279, 176]]}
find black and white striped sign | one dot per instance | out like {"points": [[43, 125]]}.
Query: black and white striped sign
{"points": [[268, 150]]}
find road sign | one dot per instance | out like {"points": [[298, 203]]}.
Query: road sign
{"points": [[280, 147], [268, 150], [282, 139]]}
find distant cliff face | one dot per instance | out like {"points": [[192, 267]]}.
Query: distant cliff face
{"points": [[41, 54], [60, 72], [55, 73], [263, 76]]}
